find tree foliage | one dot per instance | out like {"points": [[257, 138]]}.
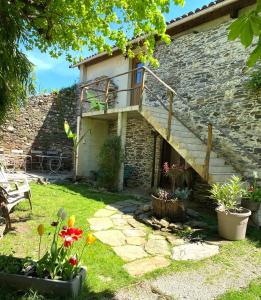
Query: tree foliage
{"points": [[246, 28], [58, 26]]}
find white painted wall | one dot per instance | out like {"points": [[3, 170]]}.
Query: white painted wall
{"points": [[110, 67], [89, 148]]}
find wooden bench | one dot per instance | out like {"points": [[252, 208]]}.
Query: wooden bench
{"points": [[10, 197]]}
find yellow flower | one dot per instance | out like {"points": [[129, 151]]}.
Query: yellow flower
{"points": [[71, 221], [40, 229], [90, 239]]}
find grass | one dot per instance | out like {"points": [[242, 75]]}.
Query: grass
{"points": [[252, 292], [105, 268]]}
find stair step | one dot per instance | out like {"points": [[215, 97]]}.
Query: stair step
{"points": [[221, 169], [213, 161], [222, 177], [190, 140], [194, 147], [182, 133], [201, 154]]}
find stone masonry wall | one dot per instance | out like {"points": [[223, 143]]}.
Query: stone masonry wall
{"points": [[209, 74], [139, 152], [39, 125]]}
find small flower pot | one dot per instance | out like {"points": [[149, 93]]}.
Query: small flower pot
{"points": [[232, 225], [173, 209], [255, 208], [70, 288]]}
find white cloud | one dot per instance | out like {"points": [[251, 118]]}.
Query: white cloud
{"points": [[40, 63]]}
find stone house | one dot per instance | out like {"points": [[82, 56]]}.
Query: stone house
{"points": [[170, 113]]}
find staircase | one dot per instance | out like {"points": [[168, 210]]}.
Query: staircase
{"points": [[188, 145]]}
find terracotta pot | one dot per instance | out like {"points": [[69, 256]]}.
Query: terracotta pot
{"points": [[173, 209], [232, 225]]}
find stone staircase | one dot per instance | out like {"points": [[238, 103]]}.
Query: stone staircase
{"points": [[188, 145]]}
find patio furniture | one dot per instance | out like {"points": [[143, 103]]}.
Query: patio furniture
{"points": [[36, 160], [11, 196], [53, 160], [18, 155]]}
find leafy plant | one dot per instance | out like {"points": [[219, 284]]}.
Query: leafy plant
{"points": [[245, 28], [253, 192], [73, 136], [62, 261], [10, 264], [177, 173], [182, 194], [228, 194], [254, 82], [110, 160]]}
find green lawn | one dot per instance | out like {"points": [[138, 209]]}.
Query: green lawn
{"points": [[105, 271], [253, 292]]}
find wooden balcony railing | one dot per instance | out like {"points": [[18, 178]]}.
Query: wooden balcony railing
{"points": [[103, 97]]}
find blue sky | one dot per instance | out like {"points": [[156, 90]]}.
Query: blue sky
{"points": [[55, 73]]}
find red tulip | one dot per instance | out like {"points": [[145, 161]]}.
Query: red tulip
{"points": [[73, 261]]}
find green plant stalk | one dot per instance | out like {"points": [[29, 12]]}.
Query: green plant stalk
{"points": [[39, 249]]}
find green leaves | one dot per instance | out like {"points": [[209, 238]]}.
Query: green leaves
{"points": [[68, 131], [246, 28]]}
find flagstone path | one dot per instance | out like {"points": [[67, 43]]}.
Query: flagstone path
{"points": [[142, 248]]}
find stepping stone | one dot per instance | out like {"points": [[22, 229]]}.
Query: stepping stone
{"points": [[145, 265], [134, 232], [111, 207], [135, 240], [104, 213], [117, 216], [120, 223], [174, 240], [194, 251], [130, 252], [135, 224], [100, 223], [129, 209], [111, 237], [156, 246]]}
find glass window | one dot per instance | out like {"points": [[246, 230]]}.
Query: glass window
{"points": [[138, 78]]}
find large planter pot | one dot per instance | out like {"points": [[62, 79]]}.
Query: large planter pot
{"points": [[173, 209], [232, 225], [69, 288], [255, 208]]}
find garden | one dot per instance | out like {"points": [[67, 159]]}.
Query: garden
{"points": [[32, 236]]}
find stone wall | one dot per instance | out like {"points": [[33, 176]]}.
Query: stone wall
{"points": [[139, 152], [209, 73], [39, 125]]}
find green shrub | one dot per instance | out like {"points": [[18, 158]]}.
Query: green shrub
{"points": [[110, 159], [254, 81]]}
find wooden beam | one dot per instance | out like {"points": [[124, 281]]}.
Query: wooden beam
{"points": [[170, 110], [208, 152]]}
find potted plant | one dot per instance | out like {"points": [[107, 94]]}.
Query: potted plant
{"points": [[232, 219], [252, 201], [58, 271], [170, 205]]}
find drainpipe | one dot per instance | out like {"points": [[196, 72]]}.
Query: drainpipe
{"points": [[155, 135]]}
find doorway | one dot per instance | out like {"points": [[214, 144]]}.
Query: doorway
{"points": [[136, 82]]}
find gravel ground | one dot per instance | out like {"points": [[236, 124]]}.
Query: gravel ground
{"points": [[206, 283]]}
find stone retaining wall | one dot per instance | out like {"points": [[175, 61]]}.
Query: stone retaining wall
{"points": [[209, 73], [39, 125], [139, 152]]}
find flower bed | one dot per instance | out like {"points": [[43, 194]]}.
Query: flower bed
{"points": [[58, 271]]}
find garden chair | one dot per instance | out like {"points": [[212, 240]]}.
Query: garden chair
{"points": [[10, 197]]}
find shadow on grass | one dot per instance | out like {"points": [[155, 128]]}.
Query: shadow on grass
{"points": [[9, 294]]}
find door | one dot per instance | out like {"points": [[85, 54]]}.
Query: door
{"points": [[136, 82]]}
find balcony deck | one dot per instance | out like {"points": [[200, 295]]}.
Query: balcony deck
{"points": [[112, 113]]}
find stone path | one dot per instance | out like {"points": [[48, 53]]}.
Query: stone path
{"points": [[142, 248], [206, 283]]}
